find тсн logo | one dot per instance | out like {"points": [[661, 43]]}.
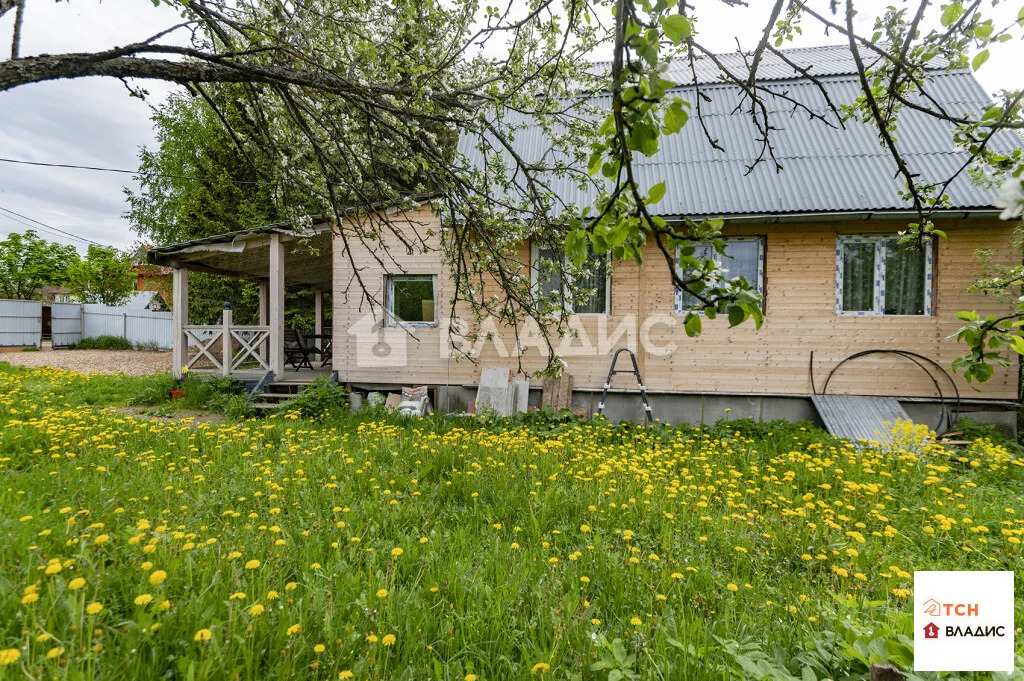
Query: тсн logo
{"points": [[936, 609]]}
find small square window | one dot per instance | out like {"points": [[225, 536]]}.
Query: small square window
{"points": [[877, 275], [744, 257], [411, 300]]}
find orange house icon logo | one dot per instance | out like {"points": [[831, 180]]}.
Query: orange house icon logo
{"points": [[931, 630], [932, 607]]}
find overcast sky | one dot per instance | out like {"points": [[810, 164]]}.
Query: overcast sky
{"points": [[95, 122]]}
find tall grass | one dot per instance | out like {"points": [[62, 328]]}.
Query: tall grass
{"points": [[385, 549]]}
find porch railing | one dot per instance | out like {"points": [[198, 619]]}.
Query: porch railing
{"points": [[227, 347]]}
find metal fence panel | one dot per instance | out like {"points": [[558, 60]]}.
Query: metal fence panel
{"points": [[65, 323], [138, 325], [21, 323]]}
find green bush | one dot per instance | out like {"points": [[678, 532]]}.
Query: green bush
{"points": [[102, 343], [323, 397], [147, 346]]}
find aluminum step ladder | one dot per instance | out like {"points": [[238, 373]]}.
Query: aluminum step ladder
{"points": [[639, 381]]}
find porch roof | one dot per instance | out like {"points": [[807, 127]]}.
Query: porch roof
{"points": [[245, 254]]}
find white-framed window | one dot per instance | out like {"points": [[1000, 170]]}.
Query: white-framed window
{"points": [[547, 280], [411, 299], [878, 276], [744, 257]]}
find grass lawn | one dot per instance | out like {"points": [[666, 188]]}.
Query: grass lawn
{"points": [[376, 549]]}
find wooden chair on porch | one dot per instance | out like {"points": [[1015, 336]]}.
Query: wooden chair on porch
{"points": [[297, 350]]}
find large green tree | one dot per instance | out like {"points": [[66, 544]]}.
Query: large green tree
{"points": [[103, 276], [27, 263], [197, 180]]}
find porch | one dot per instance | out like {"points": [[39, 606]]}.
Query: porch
{"points": [[277, 258]]}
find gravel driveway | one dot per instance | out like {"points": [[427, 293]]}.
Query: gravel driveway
{"points": [[131, 362]]}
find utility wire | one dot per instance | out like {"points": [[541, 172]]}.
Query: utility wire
{"points": [[50, 227], [126, 172]]}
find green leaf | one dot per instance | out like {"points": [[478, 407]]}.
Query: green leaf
{"points": [[675, 117], [1017, 343], [676, 27], [643, 138], [979, 59], [692, 324], [736, 315], [656, 194], [951, 13]]}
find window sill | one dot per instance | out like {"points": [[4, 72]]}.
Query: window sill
{"points": [[412, 325], [882, 314]]}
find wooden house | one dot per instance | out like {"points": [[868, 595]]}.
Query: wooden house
{"points": [[818, 239]]}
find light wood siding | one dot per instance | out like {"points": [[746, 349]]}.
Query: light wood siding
{"points": [[799, 317]]}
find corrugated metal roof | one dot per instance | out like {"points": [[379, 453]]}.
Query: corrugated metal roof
{"points": [[827, 60], [837, 168], [857, 417]]}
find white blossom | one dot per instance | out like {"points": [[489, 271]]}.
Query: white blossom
{"points": [[1010, 198]]}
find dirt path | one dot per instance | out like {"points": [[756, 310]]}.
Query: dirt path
{"points": [[131, 362]]}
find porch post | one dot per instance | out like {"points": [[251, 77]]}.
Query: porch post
{"points": [[318, 312], [179, 351], [264, 299], [276, 316], [228, 357]]}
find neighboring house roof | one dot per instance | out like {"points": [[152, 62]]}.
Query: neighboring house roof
{"points": [[825, 169]]}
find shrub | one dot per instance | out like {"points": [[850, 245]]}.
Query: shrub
{"points": [[323, 396], [147, 346], [102, 343]]}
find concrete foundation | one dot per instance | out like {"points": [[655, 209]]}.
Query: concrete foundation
{"points": [[692, 408]]}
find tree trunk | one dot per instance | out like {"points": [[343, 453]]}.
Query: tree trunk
{"points": [[886, 672]]}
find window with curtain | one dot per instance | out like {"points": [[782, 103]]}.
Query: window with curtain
{"points": [[595, 277], [876, 275], [744, 257]]}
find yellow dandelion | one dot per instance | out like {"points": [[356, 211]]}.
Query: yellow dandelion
{"points": [[294, 629], [256, 609], [345, 674], [56, 651], [252, 565], [540, 668], [76, 584], [144, 599], [319, 648], [636, 621], [732, 587], [203, 635], [396, 552], [157, 577], [382, 593], [9, 656], [388, 640], [94, 608]]}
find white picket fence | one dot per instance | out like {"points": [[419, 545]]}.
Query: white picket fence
{"points": [[21, 323]]}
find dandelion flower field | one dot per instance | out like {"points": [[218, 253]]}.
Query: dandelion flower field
{"points": [[143, 548]]}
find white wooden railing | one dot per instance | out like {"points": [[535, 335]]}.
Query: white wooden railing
{"points": [[254, 342]]}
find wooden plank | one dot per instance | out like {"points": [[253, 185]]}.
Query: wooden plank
{"points": [[179, 353], [276, 308]]}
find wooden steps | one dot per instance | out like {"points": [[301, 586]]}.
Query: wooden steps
{"points": [[271, 395]]}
